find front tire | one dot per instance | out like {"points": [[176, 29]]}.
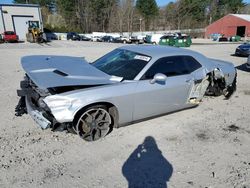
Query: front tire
{"points": [[94, 123]]}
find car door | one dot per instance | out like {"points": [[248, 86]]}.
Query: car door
{"points": [[162, 97]]}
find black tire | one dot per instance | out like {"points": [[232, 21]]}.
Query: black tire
{"points": [[93, 123]]}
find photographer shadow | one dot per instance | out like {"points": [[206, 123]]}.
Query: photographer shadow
{"points": [[146, 167]]}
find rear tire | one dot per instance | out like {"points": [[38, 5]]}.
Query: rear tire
{"points": [[93, 123]]}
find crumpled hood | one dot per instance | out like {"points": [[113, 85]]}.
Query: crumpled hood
{"points": [[56, 71]]}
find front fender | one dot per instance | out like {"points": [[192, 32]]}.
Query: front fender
{"points": [[120, 95]]}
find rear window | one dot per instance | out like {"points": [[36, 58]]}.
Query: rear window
{"points": [[9, 33]]}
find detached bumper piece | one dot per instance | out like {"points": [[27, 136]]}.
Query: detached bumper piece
{"points": [[21, 107], [232, 88]]}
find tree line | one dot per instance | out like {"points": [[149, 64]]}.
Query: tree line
{"points": [[88, 16]]}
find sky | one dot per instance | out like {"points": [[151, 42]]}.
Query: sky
{"points": [[159, 2]]}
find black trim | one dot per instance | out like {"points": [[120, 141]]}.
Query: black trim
{"points": [[40, 20], [24, 16], [60, 73], [20, 5], [4, 28]]}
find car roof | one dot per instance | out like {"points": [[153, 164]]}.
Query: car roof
{"points": [[158, 51]]}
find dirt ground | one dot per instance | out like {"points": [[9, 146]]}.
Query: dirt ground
{"points": [[204, 147]]}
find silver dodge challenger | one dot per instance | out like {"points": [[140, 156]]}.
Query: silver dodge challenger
{"points": [[128, 84]]}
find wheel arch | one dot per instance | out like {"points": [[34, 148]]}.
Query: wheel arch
{"points": [[112, 109]]}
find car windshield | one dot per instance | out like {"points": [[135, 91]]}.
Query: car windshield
{"points": [[9, 33], [122, 63]]}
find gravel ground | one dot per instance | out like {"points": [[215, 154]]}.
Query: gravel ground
{"points": [[206, 146]]}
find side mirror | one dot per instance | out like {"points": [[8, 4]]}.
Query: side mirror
{"points": [[159, 77]]}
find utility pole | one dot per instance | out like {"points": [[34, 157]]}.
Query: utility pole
{"points": [[140, 24]]}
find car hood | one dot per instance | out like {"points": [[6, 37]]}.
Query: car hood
{"points": [[57, 71], [246, 46]]}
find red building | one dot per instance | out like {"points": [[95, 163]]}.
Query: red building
{"points": [[230, 25]]}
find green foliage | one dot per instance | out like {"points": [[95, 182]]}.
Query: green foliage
{"points": [[199, 13], [102, 11], [148, 9], [132, 15], [40, 2], [67, 8], [66, 5], [61, 29]]}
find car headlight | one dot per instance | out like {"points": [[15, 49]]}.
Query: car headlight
{"points": [[58, 103]]}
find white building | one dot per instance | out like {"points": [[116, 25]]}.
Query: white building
{"points": [[15, 17]]}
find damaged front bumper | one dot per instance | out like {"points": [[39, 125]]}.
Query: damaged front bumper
{"points": [[28, 104], [36, 115]]}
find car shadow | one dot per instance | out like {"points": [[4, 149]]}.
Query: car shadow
{"points": [[243, 68], [147, 167]]}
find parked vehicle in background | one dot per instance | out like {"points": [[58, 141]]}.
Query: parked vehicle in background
{"points": [[10, 36], [243, 50], [128, 84], [147, 39], [215, 36], [50, 35], [132, 40], [35, 34], [183, 41], [96, 39], [84, 38], [107, 38], [125, 39], [235, 38], [220, 37], [73, 36], [155, 38], [177, 40], [117, 40], [168, 40], [141, 38], [223, 39]]}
